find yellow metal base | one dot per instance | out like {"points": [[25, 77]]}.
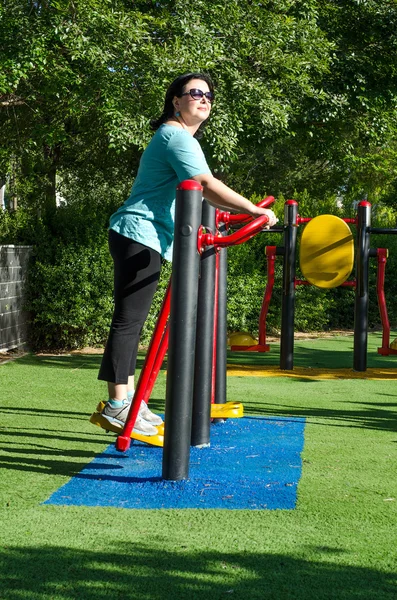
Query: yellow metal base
{"points": [[232, 410], [218, 411], [154, 440]]}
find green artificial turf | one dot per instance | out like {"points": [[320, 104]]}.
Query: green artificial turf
{"points": [[339, 542]]}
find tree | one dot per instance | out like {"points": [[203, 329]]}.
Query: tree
{"points": [[80, 79], [305, 90], [340, 138], [352, 129]]}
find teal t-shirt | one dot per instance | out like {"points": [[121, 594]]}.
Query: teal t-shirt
{"points": [[147, 217]]}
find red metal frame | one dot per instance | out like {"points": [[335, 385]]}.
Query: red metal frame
{"points": [[154, 358], [215, 334], [262, 346], [159, 342], [271, 257], [271, 260], [238, 237], [385, 349], [301, 220], [228, 219]]}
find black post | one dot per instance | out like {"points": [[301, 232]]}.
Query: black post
{"points": [[183, 316], [288, 301], [221, 337], [201, 417], [362, 296]]}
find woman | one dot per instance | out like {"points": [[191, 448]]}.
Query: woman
{"points": [[141, 233]]}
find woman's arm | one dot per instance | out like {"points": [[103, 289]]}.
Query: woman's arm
{"points": [[222, 196]]}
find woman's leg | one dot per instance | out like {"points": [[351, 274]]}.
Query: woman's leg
{"points": [[136, 275]]}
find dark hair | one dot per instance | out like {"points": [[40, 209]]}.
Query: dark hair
{"points": [[176, 89]]}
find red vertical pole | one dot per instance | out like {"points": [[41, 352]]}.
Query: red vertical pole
{"points": [[381, 256], [157, 363], [271, 259], [124, 440], [215, 334]]}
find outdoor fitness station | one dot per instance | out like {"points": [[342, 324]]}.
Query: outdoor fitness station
{"points": [[192, 321], [196, 367], [327, 261]]}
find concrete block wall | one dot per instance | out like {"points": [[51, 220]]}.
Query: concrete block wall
{"points": [[14, 320]]}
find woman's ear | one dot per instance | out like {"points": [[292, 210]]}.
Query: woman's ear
{"points": [[175, 102]]}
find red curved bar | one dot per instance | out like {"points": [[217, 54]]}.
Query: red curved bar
{"points": [[238, 237], [227, 218], [190, 184], [266, 202]]}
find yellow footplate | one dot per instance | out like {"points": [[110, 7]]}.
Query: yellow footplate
{"points": [[231, 410], [154, 440]]}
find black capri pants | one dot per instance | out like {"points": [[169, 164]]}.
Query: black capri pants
{"points": [[136, 275]]}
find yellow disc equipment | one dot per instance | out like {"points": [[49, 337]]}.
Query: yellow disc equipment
{"points": [[327, 251], [241, 338]]}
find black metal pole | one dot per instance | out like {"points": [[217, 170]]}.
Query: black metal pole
{"points": [[221, 338], [362, 295], [182, 323], [383, 230], [201, 416], [288, 301]]}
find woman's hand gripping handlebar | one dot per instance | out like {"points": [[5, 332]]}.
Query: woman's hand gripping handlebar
{"points": [[238, 237], [258, 210]]}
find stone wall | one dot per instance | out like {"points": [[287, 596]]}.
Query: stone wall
{"points": [[13, 273]]}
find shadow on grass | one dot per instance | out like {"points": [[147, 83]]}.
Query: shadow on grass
{"points": [[372, 416], [322, 353], [137, 571], [327, 353], [32, 450], [72, 362], [315, 358], [44, 412]]}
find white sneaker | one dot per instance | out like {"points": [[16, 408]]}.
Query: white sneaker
{"points": [[149, 416], [118, 417], [143, 427]]}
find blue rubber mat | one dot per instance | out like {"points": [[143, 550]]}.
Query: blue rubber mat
{"points": [[253, 463]]}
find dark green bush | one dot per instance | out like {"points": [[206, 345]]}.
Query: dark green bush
{"points": [[70, 287], [70, 297]]}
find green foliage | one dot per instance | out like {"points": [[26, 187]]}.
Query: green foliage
{"points": [[16, 227], [79, 81], [70, 279], [70, 300], [71, 276], [306, 91], [305, 107]]}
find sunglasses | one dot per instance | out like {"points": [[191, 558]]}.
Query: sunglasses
{"points": [[198, 94]]}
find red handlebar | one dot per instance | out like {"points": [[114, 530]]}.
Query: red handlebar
{"points": [[226, 218], [238, 237]]}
